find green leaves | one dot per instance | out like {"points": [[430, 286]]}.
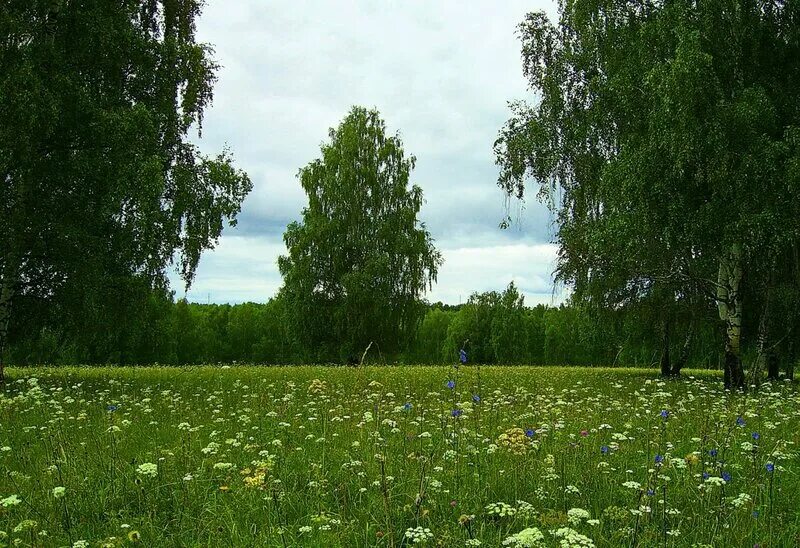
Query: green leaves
{"points": [[659, 139], [100, 181], [359, 261]]}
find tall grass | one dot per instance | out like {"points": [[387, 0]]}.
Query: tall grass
{"points": [[309, 456]]}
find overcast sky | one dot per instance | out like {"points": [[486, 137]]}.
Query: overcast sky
{"points": [[440, 73]]}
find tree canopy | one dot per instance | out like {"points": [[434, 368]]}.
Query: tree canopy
{"points": [[100, 183], [359, 260], [665, 138]]}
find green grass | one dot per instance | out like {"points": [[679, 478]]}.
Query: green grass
{"points": [[309, 456]]}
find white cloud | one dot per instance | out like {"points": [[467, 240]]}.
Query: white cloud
{"points": [[240, 269], [243, 268], [470, 269], [439, 72]]}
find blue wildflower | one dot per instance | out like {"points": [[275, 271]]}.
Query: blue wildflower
{"points": [[650, 492], [664, 414], [706, 475], [476, 398], [770, 467], [451, 384], [659, 459], [712, 453], [111, 408], [740, 421], [457, 412], [726, 476], [756, 436], [530, 432], [407, 406], [462, 355], [755, 514], [604, 449]]}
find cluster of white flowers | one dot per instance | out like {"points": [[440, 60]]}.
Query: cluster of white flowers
{"points": [[715, 481], [741, 500], [577, 515], [59, 492], [527, 538], [147, 469], [635, 485], [418, 535], [570, 538], [210, 449], [25, 525], [10, 501], [500, 509], [526, 509]]}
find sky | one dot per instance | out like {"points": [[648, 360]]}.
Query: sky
{"points": [[440, 73]]}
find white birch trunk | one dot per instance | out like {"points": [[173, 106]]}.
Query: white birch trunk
{"points": [[729, 304]]}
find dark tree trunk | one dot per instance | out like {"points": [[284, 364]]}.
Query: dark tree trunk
{"points": [[764, 353], [680, 363], [665, 360], [772, 367], [734, 372], [6, 292]]}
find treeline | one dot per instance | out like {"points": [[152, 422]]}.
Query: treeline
{"points": [[494, 328]]}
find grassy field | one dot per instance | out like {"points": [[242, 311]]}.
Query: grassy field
{"points": [[310, 456]]}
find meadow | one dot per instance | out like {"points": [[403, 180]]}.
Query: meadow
{"points": [[395, 456]]}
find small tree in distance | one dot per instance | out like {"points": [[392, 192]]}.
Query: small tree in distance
{"points": [[359, 260]]}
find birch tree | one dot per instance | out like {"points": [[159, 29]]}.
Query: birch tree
{"points": [[98, 178], [359, 260], [662, 136]]}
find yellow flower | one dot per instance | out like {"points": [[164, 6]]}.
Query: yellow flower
{"points": [[514, 440], [317, 386]]}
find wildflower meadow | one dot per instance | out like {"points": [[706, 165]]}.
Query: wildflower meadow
{"points": [[395, 456]]}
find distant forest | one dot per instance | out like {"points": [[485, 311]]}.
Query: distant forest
{"points": [[493, 327]]}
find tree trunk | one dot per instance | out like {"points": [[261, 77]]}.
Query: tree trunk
{"points": [[665, 361], [6, 293], [729, 304], [772, 367], [684, 355], [763, 360]]}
